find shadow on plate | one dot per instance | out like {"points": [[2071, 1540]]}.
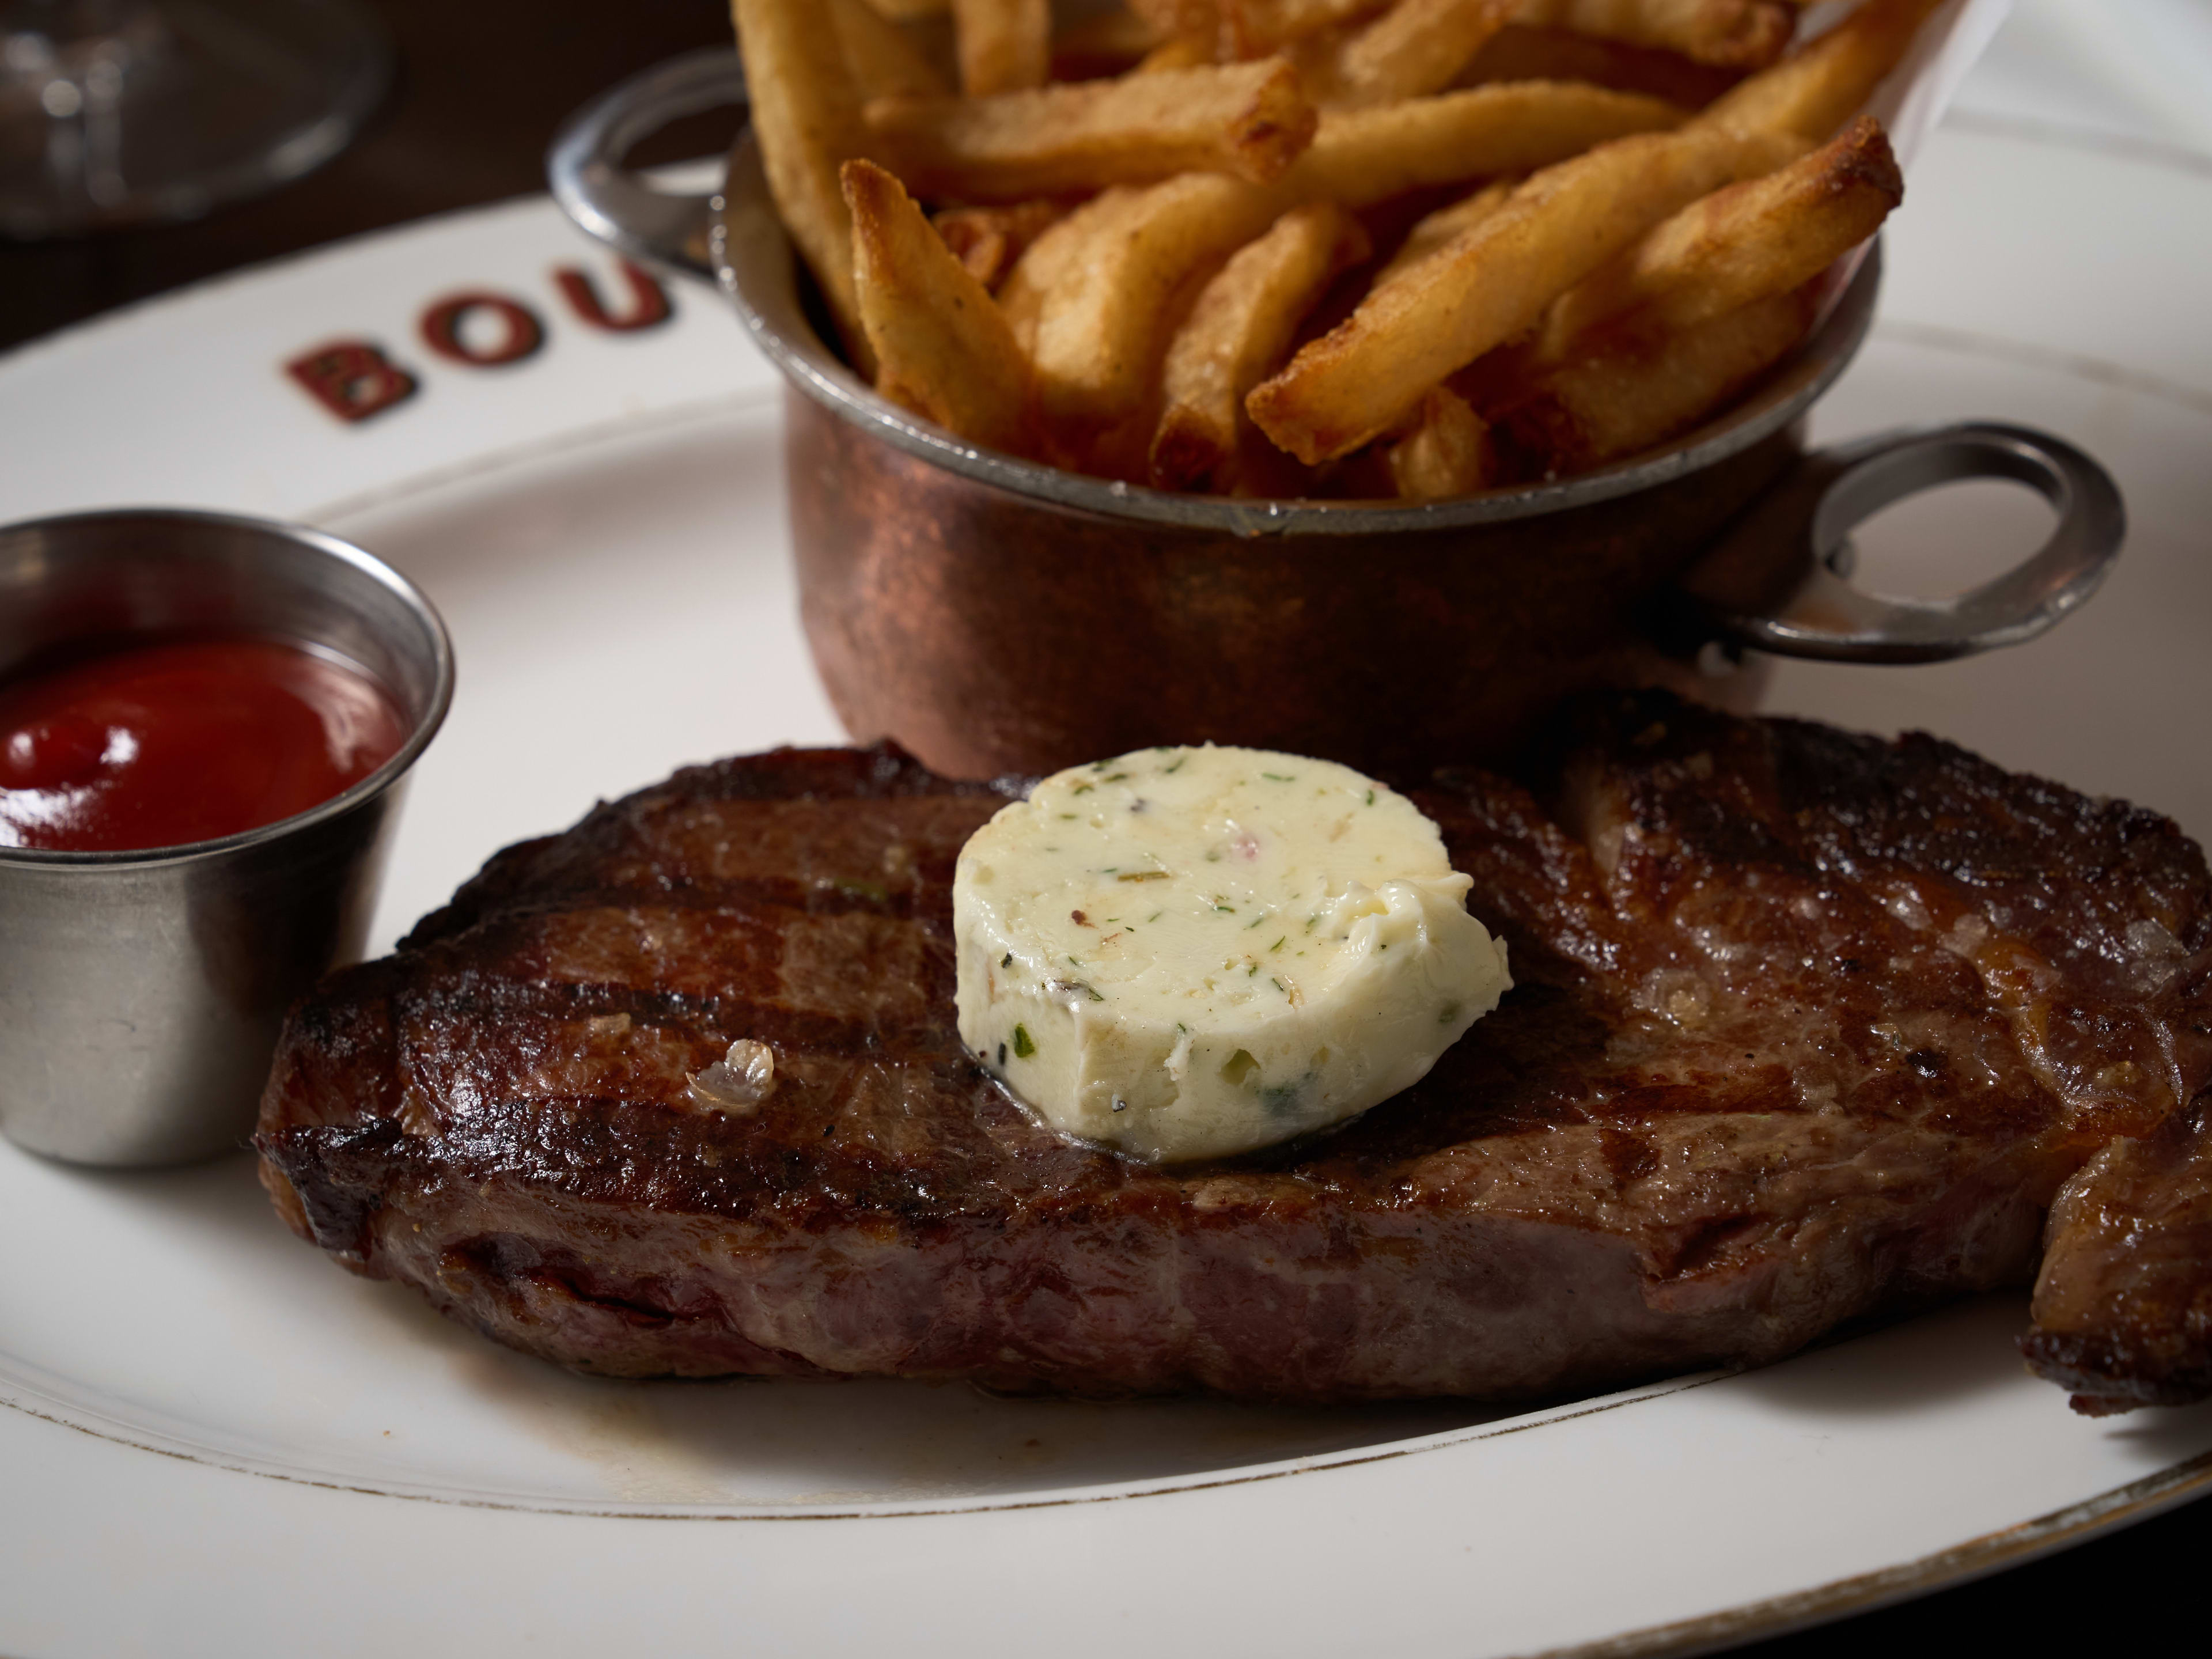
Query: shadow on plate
{"points": [[1894, 1370], [740, 1442]]}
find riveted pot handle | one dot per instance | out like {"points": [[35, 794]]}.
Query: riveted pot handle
{"points": [[1748, 591], [584, 166]]}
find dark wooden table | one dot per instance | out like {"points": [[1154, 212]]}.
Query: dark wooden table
{"points": [[480, 89]]}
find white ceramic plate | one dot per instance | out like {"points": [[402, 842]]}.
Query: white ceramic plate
{"points": [[220, 1443]]}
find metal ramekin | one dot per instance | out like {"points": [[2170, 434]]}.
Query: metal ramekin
{"points": [[994, 615], [140, 992]]}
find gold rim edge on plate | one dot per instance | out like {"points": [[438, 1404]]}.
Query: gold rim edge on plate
{"points": [[1977, 1558]]}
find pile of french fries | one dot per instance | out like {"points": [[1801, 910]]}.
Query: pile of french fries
{"points": [[1322, 248]]}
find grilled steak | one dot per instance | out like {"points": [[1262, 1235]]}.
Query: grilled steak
{"points": [[1808, 1026]]}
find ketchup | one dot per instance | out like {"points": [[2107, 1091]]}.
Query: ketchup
{"points": [[158, 743]]}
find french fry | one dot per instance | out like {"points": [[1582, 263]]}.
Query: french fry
{"points": [[1366, 156], [988, 240], [1740, 243], [942, 348], [1417, 46], [1362, 157], [1239, 328], [1447, 454], [1260, 28], [1104, 43], [1247, 119], [806, 119], [1637, 393], [1002, 45], [1814, 91], [1061, 249], [1441, 229], [884, 62], [1737, 33], [1523, 51], [908, 11], [1180, 52], [1358, 381], [1103, 324], [1199, 20]]}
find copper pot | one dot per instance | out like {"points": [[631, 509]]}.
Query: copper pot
{"points": [[998, 615]]}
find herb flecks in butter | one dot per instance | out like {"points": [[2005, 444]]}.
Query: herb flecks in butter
{"points": [[1169, 1046]]}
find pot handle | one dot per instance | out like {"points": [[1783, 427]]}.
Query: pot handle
{"points": [[1812, 610], [583, 166]]}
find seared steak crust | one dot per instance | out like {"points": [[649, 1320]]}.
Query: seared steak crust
{"points": [[1807, 1026], [2123, 1306]]}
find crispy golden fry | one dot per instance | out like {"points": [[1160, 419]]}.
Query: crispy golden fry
{"points": [[1060, 250], [1247, 119], [1494, 281], [1002, 45], [1103, 317], [1365, 156], [1182, 51], [1522, 52], [1446, 452], [1417, 46], [1738, 34], [1361, 157], [1635, 392], [906, 11], [1104, 43], [1199, 20], [1741, 244], [988, 240], [1814, 91], [1259, 28], [1238, 331], [1315, 57], [884, 61], [806, 119], [942, 348], [1442, 228]]}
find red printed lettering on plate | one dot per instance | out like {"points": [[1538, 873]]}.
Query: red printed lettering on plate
{"points": [[352, 379], [649, 301], [521, 333]]}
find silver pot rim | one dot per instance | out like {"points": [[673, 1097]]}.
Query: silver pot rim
{"points": [[423, 728]]}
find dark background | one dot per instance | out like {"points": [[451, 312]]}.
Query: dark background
{"points": [[480, 86]]}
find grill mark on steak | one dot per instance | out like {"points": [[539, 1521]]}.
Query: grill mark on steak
{"points": [[1807, 1026], [802, 835]]}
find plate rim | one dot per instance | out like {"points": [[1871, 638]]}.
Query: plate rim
{"points": [[1990, 1553]]}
